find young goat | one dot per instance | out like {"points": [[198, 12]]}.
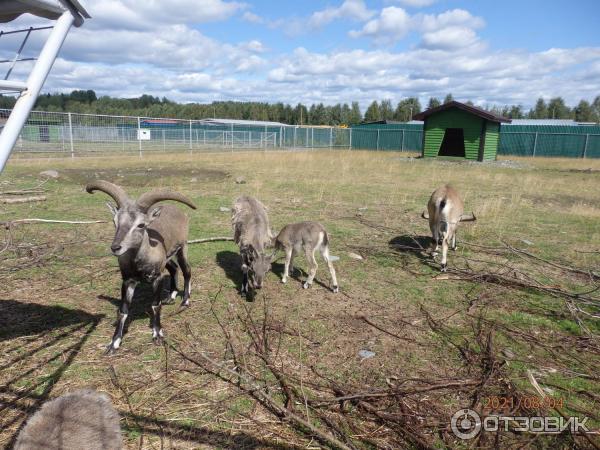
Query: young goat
{"points": [[307, 236], [146, 242], [83, 419], [251, 231], [445, 211]]}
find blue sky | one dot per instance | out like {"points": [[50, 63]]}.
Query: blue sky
{"points": [[333, 51]]}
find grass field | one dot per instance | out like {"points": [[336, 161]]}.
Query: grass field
{"points": [[499, 317]]}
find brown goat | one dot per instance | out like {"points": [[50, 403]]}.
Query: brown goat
{"points": [[445, 210]]}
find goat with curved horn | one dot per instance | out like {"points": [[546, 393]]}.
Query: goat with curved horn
{"points": [[150, 198], [148, 239], [116, 192]]}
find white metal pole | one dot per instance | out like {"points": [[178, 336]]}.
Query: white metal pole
{"points": [[378, 139], [331, 137], [534, 143], [36, 79], [350, 145], [190, 136], [164, 141], [71, 136], [139, 137], [585, 145], [402, 145]]}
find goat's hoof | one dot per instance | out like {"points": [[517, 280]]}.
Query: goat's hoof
{"points": [[158, 340], [306, 285], [284, 280], [336, 289], [110, 350], [453, 248], [185, 304], [444, 268]]}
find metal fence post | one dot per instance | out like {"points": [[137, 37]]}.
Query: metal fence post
{"points": [[534, 143], [190, 136], [350, 144], [585, 145], [71, 136], [164, 141], [280, 136], [377, 148], [204, 138], [294, 143], [402, 144], [331, 137], [138, 136]]}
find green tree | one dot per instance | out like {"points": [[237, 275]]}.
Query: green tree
{"points": [[434, 102], [355, 114], [584, 112], [516, 112], [373, 114], [448, 98], [407, 108], [540, 110], [557, 109], [386, 110]]}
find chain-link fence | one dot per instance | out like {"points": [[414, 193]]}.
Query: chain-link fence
{"points": [[78, 134]]}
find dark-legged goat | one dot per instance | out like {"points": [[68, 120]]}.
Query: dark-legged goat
{"points": [[147, 240]]}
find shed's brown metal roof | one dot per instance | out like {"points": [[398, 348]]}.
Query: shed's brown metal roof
{"points": [[470, 109]]}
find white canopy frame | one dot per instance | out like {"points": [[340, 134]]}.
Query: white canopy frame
{"points": [[71, 13]]}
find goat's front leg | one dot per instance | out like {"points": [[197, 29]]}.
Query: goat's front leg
{"points": [[127, 290], [245, 287], [172, 268], [444, 266], [287, 265], [187, 276], [157, 332]]}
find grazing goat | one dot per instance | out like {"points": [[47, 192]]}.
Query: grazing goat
{"points": [[83, 419], [146, 242], [307, 236], [251, 231], [445, 210]]}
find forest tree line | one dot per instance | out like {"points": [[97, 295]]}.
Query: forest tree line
{"points": [[80, 101]]}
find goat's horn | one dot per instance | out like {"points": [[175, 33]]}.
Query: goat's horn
{"points": [[150, 198], [468, 218], [425, 215], [116, 192]]}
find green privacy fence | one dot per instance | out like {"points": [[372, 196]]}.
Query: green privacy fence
{"points": [[549, 140], [518, 140], [397, 136]]}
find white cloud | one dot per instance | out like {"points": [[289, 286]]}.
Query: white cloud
{"points": [[450, 38], [392, 25], [350, 9], [416, 3], [453, 17]]}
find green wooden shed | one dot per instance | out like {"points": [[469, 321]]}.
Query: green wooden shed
{"points": [[462, 131]]}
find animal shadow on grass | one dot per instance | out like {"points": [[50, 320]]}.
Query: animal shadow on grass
{"points": [[297, 274], [49, 338], [231, 264], [141, 303], [418, 246]]}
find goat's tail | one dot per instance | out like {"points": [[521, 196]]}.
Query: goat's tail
{"points": [[325, 239]]}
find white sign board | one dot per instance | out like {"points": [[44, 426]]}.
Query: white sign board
{"points": [[143, 134]]}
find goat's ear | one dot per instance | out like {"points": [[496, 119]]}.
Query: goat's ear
{"points": [[154, 214], [112, 208]]}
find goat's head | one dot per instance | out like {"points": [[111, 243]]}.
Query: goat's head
{"points": [[258, 265], [132, 218]]}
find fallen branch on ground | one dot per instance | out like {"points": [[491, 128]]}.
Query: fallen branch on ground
{"points": [[28, 221], [210, 239], [33, 198]]}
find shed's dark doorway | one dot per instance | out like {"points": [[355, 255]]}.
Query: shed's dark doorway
{"points": [[453, 143]]}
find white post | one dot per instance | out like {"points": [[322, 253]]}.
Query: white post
{"points": [[190, 136], [377, 138], [71, 136], [294, 143], [534, 143], [164, 141], [231, 137], [331, 137], [280, 136], [306, 138], [20, 113], [402, 145], [585, 145], [204, 137], [350, 145], [312, 138], [138, 137]]}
